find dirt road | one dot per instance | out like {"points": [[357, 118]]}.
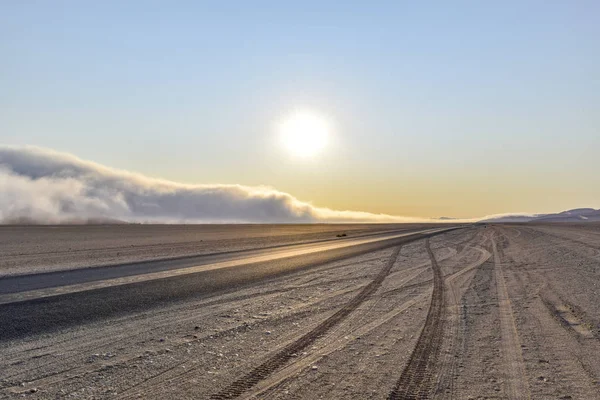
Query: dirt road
{"points": [[504, 312], [46, 248]]}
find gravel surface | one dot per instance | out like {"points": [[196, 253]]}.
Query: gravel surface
{"points": [[519, 318], [32, 249]]}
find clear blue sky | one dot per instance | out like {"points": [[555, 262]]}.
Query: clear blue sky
{"points": [[439, 108]]}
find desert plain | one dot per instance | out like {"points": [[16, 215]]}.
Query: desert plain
{"points": [[482, 311]]}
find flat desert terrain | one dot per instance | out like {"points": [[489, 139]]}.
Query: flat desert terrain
{"points": [[293, 312], [27, 249]]}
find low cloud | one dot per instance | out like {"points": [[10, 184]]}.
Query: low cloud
{"points": [[510, 217], [44, 186]]}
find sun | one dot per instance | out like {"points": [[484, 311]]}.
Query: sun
{"points": [[304, 133]]}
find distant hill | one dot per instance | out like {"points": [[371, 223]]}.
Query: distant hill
{"points": [[575, 215]]}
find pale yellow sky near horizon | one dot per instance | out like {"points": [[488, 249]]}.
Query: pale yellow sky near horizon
{"points": [[435, 194]]}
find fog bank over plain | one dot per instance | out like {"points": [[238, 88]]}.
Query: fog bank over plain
{"points": [[44, 186]]}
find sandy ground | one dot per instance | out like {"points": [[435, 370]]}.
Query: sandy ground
{"points": [[486, 312], [32, 249]]}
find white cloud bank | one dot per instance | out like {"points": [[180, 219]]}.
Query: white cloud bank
{"points": [[43, 186]]}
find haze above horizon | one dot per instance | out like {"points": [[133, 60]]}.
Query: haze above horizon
{"points": [[459, 109]]}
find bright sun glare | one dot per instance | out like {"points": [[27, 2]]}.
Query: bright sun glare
{"points": [[304, 134]]}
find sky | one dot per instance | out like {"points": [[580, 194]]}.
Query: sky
{"points": [[458, 109]]}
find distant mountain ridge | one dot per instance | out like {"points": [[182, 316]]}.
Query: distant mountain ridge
{"points": [[575, 215]]}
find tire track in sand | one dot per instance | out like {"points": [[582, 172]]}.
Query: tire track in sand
{"points": [[290, 371], [284, 355], [516, 382], [455, 320], [417, 380]]}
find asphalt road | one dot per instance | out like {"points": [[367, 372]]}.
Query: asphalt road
{"points": [[31, 304]]}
